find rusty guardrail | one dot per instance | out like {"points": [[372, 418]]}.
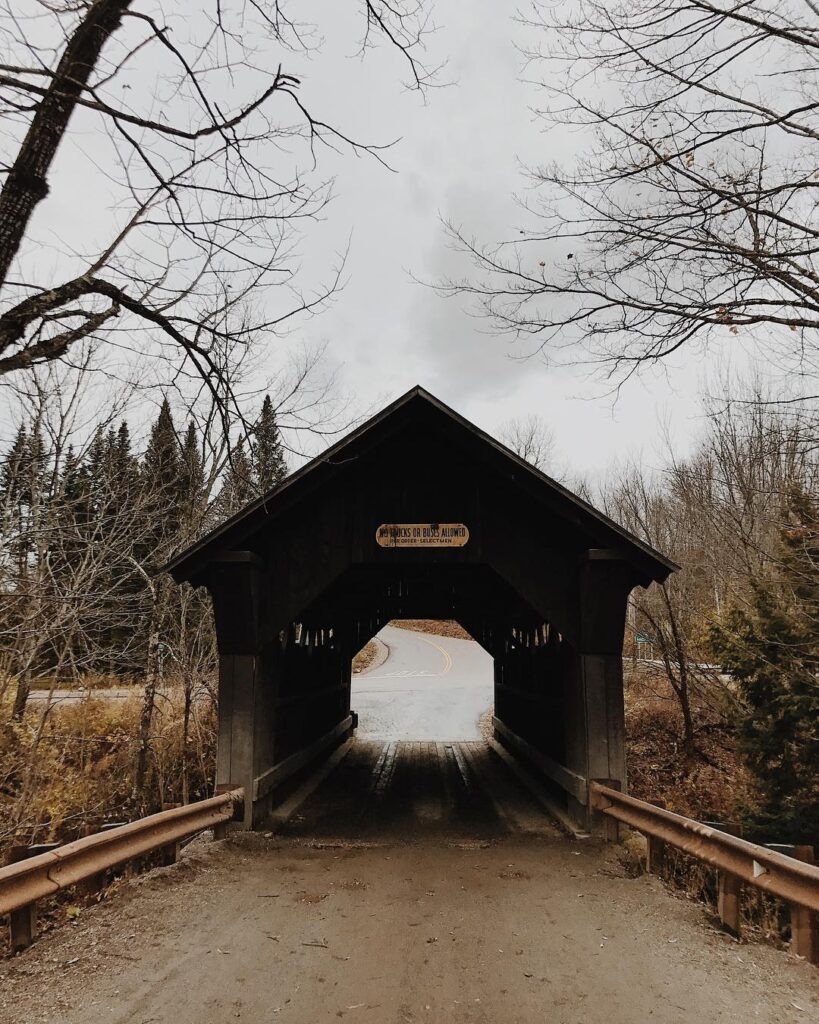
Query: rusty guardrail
{"points": [[28, 880], [737, 862]]}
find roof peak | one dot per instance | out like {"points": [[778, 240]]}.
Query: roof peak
{"points": [[355, 443]]}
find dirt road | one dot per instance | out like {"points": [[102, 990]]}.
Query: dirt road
{"points": [[398, 895]]}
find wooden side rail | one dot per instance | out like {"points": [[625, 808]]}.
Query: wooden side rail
{"points": [[737, 861], [26, 881], [573, 783], [279, 773]]}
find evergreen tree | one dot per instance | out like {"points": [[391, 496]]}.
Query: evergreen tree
{"points": [[192, 486], [162, 464], [23, 494], [125, 465], [162, 485], [239, 487], [77, 508], [268, 453], [11, 472], [772, 650]]}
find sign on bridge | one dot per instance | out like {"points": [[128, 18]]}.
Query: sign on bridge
{"points": [[422, 535]]}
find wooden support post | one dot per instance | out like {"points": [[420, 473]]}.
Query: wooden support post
{"points": [[94, 883], [23, 921], [169, 855], [729, 892], [594, 718], [655, 855], [655, 849], [22, 927], [805, 922]]}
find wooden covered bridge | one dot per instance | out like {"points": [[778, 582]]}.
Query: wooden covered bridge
{"points": [[419, 514]]}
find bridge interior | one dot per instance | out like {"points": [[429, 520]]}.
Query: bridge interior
{"points": [[306, 575], [403, 790]]}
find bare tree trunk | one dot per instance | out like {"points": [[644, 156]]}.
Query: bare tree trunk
{"points": [[186, 718], [21, 696], [30, 772], [149, 698], [675, 653], [27, 184], [24, 678], [682, 689], [148, 701]]}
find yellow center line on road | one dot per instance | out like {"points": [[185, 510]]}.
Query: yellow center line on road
{"points": [[444, 654]]}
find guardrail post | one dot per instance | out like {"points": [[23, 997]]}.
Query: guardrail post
{"points": [[729, 894], [96, 883], [655, 848], [169, 854], [655, 855], [805, 922], [23, 921]]}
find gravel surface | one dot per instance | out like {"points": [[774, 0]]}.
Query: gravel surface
{"points": [[506, 930]]}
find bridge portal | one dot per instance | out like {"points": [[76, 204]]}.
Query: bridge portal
{"points": [[419, 514]]}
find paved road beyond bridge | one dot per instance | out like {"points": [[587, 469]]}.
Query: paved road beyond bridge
{"points": [[430, 688], [419, 883]]}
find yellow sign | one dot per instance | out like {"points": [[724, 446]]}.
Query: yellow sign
{"points": [[422, 535]]}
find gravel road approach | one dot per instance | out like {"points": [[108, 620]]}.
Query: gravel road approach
{"points": [[513, 930], [418, 883]]}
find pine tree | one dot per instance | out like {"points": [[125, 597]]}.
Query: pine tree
{"points": [[11, 472], [268, 453], [161, 480], [239, 487], [772, 650], [23, 493], [192, 486], [162, 464]]}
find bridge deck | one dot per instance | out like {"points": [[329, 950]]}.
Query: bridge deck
{"points": [[419, 790]]}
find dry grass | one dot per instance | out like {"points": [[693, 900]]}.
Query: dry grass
{"points": [[79, 773], [438, 627], [712, 783], [365, 657]]}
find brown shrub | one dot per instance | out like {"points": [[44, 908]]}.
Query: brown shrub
{"points": [[438, 627], [77, 773]]}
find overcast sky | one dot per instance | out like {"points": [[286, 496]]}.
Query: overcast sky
{"points": [[459, 158]]}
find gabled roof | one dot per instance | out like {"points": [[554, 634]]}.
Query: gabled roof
{"points": [[188, 564]]}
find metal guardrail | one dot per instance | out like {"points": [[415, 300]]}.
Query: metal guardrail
{"points": [[737, 861], [31, 879]]}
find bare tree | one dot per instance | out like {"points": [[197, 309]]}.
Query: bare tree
{"points": [[531, 438], [211, 159], [668, 611], [689, 214], [720, 513], [62, 555]]}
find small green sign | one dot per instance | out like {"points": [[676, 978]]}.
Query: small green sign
{"points": [[643, 638]]}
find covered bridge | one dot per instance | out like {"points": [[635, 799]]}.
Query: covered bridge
{"points": [[419, 514]]}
